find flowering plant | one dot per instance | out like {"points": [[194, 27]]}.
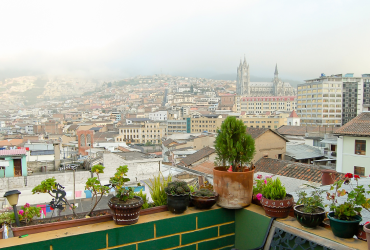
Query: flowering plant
{"points": [[260, 185], [27, 213], [6, 216], [356, 198]]}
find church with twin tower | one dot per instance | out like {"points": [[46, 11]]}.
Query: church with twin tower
{"points": [[244, 87]]}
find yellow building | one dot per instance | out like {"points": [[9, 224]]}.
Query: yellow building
{"points": [[142, 133], [260, 105]]}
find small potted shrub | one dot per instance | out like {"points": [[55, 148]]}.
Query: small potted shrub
{"points": [[345, 217], [125, 205], [94, 185], [276, 202], [177, 196], [6, 219], [309, 210], [233, 179], [205, 197]]}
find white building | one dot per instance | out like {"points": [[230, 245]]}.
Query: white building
{"points": [[353, 153], [158, 115]]}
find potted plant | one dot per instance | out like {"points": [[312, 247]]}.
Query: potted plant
{"points": [[205, 197], [6, 219], [309, 210], [345, 217], [125, 205], [275, 201], [258, 186], [177, 196], [233, 180]]}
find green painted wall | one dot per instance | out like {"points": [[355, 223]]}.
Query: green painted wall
{"points": [[24, 166], [250, 229], [9, 171]]}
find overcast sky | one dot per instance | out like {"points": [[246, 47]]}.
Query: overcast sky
{"points": [[193, 38]]}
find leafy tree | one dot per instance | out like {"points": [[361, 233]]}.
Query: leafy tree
{"points": [[233, 145]]}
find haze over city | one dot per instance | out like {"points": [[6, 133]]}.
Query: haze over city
{"points": [[117, 39]]}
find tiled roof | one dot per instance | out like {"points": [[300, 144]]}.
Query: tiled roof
{"points": [[190, 159], [360, 125], [205, 167], [12, 142], [291, 169], [256, 132], [21, 151], [293, 114], [302, 130], [167, 142]]}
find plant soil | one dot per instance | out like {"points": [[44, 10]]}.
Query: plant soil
{"points": [[134, 200], [61, 218], [316, 211]]}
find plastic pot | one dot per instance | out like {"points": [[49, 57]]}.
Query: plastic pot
{"points": [[177, 204], [344, 228]]}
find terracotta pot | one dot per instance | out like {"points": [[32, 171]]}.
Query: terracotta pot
{"points": [[367, 231], [32, 229], [154, 210], [310, 220], [361, 234], [235, 189], [204, 202], [277, 208], [125, 214], [256, 201]]}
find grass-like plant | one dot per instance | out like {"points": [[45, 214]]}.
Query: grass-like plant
{"points": [[274, 190], [145, 199], [156, 189]]}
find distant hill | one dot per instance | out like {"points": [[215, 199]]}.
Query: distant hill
{"points": [[232, 77]]}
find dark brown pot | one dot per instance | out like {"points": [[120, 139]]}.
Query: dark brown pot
{"points": [[235, 189], [1, 232], [204, 202], [277, 208], [256, 201], [32, 229], [125, 214], [310, 220], [361, 234], [154, 210], [367, 231]]}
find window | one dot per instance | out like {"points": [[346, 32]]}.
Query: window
{"points": [[359, 170], [360, 147]]}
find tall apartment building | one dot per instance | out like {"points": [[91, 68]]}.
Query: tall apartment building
{"points": [[333, 100], [208, 123], [178, 126], [260, 105], [142, 133]]}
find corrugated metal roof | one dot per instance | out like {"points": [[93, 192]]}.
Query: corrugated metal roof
{"points": [[21, 151], [303, 151]]}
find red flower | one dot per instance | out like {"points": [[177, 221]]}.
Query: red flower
{"points": [[348, 175], [357, 176]]}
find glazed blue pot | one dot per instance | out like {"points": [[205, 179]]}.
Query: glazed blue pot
{"points": [[344, 228]]}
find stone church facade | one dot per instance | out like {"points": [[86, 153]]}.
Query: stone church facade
{"points": [[244, 87]]}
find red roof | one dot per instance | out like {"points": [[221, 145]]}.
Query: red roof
{"points": [[21, 151], [293, 114]]}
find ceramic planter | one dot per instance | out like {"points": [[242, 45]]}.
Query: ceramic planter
{"points": [[344, 228], [125, 213], [367, 231], [39, 228], [204, 202], [177, 204], [307, 219], [1, 232], [235, 189], [277, 208]]}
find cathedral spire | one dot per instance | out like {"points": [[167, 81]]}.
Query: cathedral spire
{"points": [[276, 70], [245, 61]]}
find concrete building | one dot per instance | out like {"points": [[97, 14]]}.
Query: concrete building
{"points": [[333, 100], [353, 153], [267, 103], [178, 126], [142, 133], [158, 115], [13, 162]]}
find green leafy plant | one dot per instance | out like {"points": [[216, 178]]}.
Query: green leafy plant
{"points": [[204, 192], [356, 198], [48, 186], [95, 187], [233, 145], [118, 182], [156, 189], [27, 213], [7, 216], [145, 199], [311, 203], [177, 188], [274, 190]]}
